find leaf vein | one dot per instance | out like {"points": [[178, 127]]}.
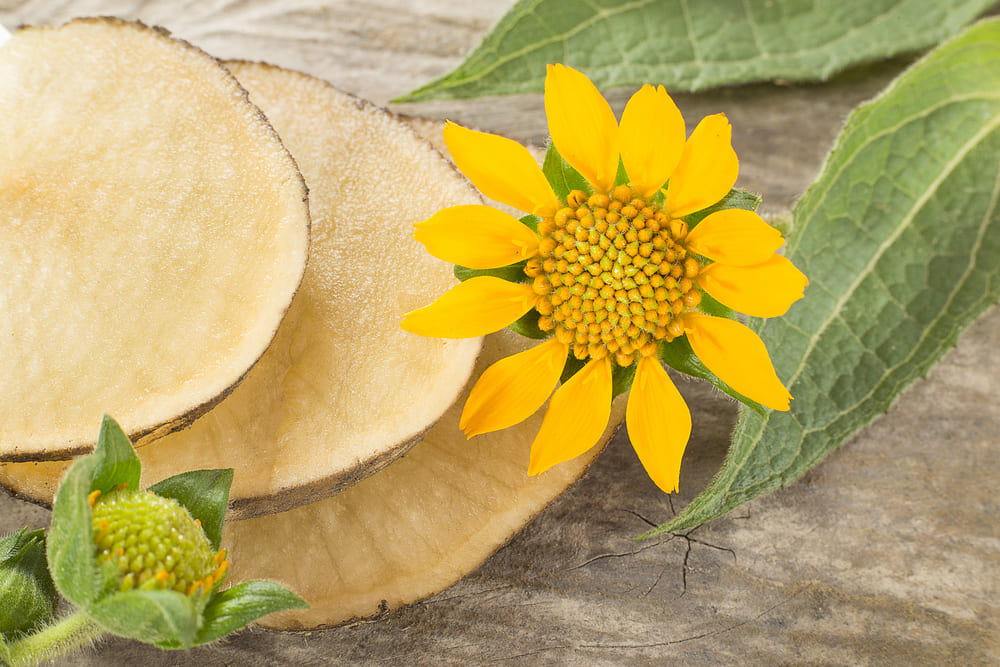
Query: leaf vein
{"points": [[977, 246], [753, 435], [904, 224], [834, 177]]}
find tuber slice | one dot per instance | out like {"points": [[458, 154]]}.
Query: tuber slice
{"points": [[413, 529], [343, 390], [154, 232]]}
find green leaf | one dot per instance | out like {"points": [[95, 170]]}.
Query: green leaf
{"points": [[562, 177], [240, 605], [163, 617], [15, 546], [70, 547], [26, 590], [900, 237], [205, 495], [117, 461], [689, 45]]}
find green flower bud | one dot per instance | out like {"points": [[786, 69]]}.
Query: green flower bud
{"points": [[154, 543], [143, 564], [26, 589]]}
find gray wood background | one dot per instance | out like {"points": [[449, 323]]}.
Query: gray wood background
{"points": [[887, 553]]}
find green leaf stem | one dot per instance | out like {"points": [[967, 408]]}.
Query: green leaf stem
{"points": [[900, 238]]}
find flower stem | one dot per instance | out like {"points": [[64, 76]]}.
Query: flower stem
{"points": [[65, 635]]}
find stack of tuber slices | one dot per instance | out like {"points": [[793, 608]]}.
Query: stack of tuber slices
{"points": [[154, 231], [316, 426]]}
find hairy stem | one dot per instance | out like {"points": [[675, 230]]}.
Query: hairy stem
{"points": [[65, 635]]}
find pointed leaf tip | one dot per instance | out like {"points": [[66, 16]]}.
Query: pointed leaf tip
{"points": [[117, 462], [237, 607]]}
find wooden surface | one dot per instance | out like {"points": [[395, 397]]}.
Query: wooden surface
{"points": [[887, 553]]}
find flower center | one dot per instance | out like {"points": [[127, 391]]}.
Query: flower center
{"points": [[154, 542], [613, 275]]}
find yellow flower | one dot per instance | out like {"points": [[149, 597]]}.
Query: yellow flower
{"points": [[613, 273]]}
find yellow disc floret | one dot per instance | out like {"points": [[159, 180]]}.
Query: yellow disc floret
{"points": [[154, 542], [613, 275]]}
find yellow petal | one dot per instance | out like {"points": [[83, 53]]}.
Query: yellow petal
{"points": [[652, 139], [582, 126], [738, 356], [479, 237], [764, 290], [659, 423], [735, 237], [479, 306], [502, 169], [512, 389], [575, 418], [707, 170]]}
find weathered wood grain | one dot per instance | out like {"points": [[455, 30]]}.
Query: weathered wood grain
{"points": [[887, 553]]}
